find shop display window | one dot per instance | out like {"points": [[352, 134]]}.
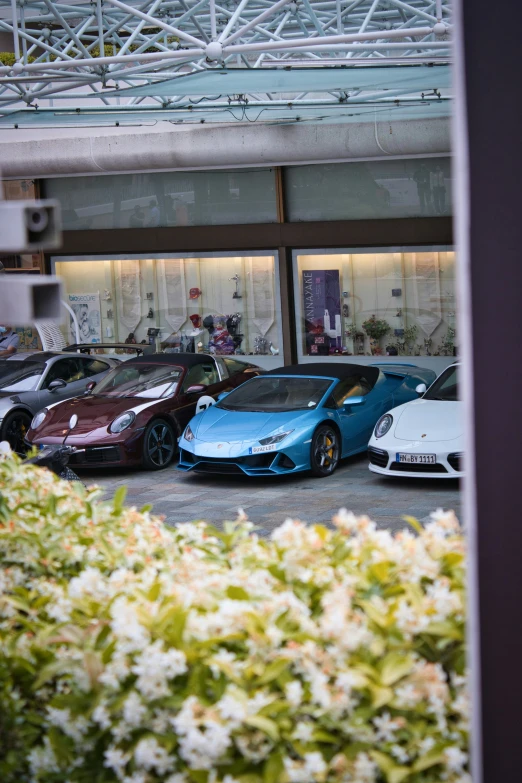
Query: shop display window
{"points": [[225, 305], [375, 303]]}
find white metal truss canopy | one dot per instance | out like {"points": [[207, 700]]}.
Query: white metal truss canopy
{"points": [[108, 61]]}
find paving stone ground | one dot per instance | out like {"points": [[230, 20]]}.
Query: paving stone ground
{"points": [[268, 501]]}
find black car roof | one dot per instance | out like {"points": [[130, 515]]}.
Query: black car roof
{"points": [[174, 359], [339, 370]]}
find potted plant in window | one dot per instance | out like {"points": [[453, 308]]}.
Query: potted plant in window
{"points": [[375, 328]]}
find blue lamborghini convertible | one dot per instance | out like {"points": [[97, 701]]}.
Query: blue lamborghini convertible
{"points": [[304, 417]]}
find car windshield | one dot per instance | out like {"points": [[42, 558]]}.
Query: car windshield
{"points": [[446, 387], [19, 376], [273, 394], [152, 381]]}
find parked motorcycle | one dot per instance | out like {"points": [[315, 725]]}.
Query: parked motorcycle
{"points": [[55, 457]]}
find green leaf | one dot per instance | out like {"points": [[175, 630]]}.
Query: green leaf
{"points": [[414, 523], [267, 726], [324, 736], [446, 629], [430, 759], [394, 667], [273, 670], [380, 696], [119, 499], [394, 773], [273, 768], [237, 593]]}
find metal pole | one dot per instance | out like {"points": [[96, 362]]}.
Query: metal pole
{"points": [[16, 42], [489, 237]]}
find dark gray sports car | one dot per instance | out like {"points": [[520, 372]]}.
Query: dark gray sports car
{"points": [[34, 381]]}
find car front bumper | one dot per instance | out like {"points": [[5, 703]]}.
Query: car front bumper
{"points": [[111, 451], [238, 458], [448, 462]]}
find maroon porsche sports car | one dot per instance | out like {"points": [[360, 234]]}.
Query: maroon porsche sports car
{"points": [[137, 412]]}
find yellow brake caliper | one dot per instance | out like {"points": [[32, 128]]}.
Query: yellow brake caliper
{"points": [[329, 443]]}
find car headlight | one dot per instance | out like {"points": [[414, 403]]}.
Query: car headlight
{"points": [[189, 435], [121, 423], [38, 419], [383, 425], [275, 438]]}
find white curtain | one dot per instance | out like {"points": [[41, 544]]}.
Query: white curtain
{"points": [[172, 291], [261, 291], [428, 312], [128, 296]]}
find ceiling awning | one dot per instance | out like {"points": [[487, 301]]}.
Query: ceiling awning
{"points": [[265, 114], [241, 81]]}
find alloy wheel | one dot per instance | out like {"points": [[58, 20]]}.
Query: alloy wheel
{"points": [[160, 444], [16, 427], [325, 451]]}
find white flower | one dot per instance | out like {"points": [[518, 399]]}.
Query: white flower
{"points": [[386, 727], [101, 716], [42, 759], [89, 584], [116, 671], [177, 777], [116, 760], [72, 727], [231, 710], [365, 769], [133, 710], [311, 770], [304, 731], [455, 758], [315, 765], [294, 693], [126, 626], [150, 755], [155, 667], [400, 754]]}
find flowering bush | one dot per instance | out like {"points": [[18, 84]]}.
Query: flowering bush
{"points": [[376, 327], [136, 653]]}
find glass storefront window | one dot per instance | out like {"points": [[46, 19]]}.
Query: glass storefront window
{"points": [[174, 198], [375, 303], [417, 187], [221, 304]]}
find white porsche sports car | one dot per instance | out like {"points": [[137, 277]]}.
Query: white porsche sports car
{"points": [[422, 438]]}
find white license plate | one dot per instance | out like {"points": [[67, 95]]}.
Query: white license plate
{"points": [[257, 449], [417, 459]]}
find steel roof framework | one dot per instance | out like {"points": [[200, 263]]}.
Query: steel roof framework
{"points": [[87, 54]]}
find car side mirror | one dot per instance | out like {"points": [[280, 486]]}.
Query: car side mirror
{"points": [[354, 401], [57, 384], [222, 395], [196, 389], [421, 389], [90, 386]]}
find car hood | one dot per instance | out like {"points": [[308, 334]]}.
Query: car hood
{"points": [[239, 426], [93, 413], [429, 420]]}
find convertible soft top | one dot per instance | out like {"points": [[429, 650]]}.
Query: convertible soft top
{"points": [[175, 359], [339, 370]]}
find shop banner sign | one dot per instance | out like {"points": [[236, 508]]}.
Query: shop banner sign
{"points": [[322, 309], [86, 308]]}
